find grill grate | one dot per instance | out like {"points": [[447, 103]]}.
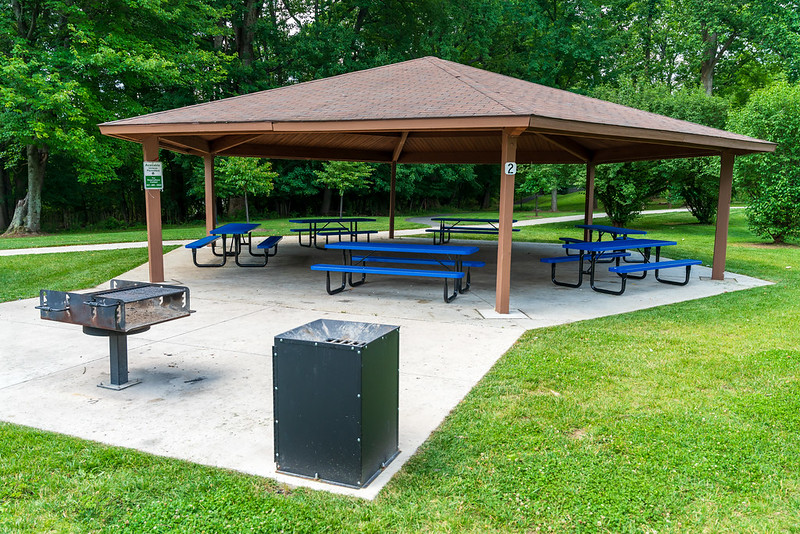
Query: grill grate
{"points": [[139, 293]]}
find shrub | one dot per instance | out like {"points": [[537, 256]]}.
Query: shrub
{"points": [[772, 180]]}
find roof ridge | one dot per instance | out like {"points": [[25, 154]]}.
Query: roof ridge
{"points": [[473, 83]]}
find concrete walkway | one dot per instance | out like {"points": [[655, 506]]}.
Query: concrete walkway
{"points": [[384, 234], [206, 384]]}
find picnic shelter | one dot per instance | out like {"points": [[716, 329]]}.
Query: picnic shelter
{"points": [[429, 110]]}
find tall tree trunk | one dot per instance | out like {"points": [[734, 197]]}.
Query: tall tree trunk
{"points": [[28, 214], [37, 165], [5, 190], [245, 34], [326, 201], [554, 199]]}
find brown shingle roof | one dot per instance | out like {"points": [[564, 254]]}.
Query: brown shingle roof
{"points": [[430, 89]]}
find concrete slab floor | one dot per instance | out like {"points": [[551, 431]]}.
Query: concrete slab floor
{"points": [[206, 384]]}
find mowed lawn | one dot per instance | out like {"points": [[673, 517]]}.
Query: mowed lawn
{"points": [[682, 418]]}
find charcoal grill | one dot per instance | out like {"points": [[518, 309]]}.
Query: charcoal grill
{"points": [[125, 309]]}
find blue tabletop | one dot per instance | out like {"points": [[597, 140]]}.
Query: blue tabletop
{"points": [[467, 219], [610, 229], [234, 228], [331, 220], [619, 244], [404, 247]]}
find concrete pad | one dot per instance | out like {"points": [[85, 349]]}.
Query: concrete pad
{"points": [[206, 384]]}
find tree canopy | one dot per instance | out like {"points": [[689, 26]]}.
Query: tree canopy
{"points": [[67, 65]]}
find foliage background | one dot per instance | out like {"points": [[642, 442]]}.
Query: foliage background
{"points": [[67, 65]]}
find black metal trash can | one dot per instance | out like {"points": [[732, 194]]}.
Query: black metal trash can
{"points": [[335, 400]]}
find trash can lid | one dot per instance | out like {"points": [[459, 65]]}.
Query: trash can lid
{"points": [[337, 332]]}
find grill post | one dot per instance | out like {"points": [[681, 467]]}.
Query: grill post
{"points": [[118, 350]]}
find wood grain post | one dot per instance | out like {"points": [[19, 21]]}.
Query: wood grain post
{"points": [[211, 201], [152, 197], [723, 216], [588, 210], [503, 287], [392, 199]]}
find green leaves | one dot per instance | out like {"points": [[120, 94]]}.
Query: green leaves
{"points": [[772, 181], [238, 176]]}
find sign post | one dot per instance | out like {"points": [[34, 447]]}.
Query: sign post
{"points": [[153, 175]]}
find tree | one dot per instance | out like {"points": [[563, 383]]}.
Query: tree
{"points": [[66, 65], [533, 180], [625, 188], [772, 181], [344, 176], [243, 176]]}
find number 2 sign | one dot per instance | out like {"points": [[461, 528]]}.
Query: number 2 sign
{"points": [[511, 168]]}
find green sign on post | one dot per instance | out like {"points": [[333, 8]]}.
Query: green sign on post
{"points": [[153, 175]]}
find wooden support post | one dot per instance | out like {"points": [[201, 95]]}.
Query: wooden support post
{"points": [[211, 201], [588, 210], [503, 285], [723, 216], [392, 199], [155, 249], [392, 184]]}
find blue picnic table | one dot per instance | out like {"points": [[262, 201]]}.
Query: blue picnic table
{"points": [[241, 234], [456, 225], [615, 232], [329, 227], [616, 250], [357, 255]]}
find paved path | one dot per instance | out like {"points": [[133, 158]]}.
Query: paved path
{"points": [[420, 220]]}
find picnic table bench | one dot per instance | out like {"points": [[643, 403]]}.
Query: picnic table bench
{"points": [[617, 249], [453, 225], [238, 231], [452, 263], [328, 227]]}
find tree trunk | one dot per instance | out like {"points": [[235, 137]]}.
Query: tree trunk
{"points": [[245, 34], [28, 214], [341, 202], [5, 190], [487, 198], [554, 199], [246, 208], [326, 201]]}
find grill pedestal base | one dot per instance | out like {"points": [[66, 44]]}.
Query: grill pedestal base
{"points": [[118, 357]]}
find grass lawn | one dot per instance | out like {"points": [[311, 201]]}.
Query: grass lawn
{"points": [[681, 418], [174, 232]]}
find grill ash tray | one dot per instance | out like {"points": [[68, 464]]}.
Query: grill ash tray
{"points": [[126, 308]]}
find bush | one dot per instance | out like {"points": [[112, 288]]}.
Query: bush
{"points": [[772, 181], [624, 189]]}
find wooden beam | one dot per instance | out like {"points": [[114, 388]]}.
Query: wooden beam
{"points": [[155, 248], [634, 153], [485, 157], [588, 209], [210, 199], [191, 142], [230, 141], [723, 216], [503, 284], [399, 148], [313, 153], [568, 145], [649, 136]]}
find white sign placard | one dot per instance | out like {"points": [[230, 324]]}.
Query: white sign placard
{"points": [[510, 168], [153, 175]]}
